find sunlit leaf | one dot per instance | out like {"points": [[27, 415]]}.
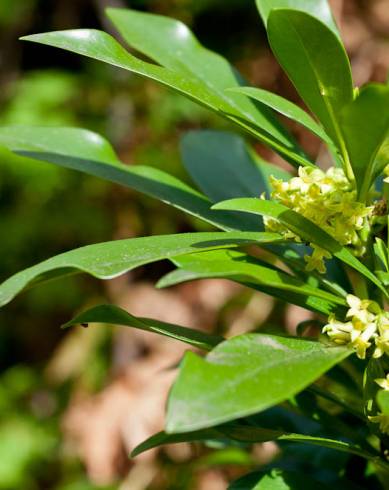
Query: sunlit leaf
{"points": [[286, 108], [316, 62], [88, 152], [241, 267], [111, 259], [243, 376], [303, 227], [365, 125], [317, 8], [116, 316], [103, 47]]}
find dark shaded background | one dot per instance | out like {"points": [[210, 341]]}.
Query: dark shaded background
{"points": [[72, 405]]}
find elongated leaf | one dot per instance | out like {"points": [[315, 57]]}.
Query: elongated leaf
{"points": [[171, 44], [110, 259], [381, 255], [241, 267], [250, 435], [312, 303], [161, 438], [103, 47], [88, 152], [365, 125], [243, 376], [286, 108], [223, 166], [317, 8], [117, 316], [71, 142], [316, 62], [303, 227]]}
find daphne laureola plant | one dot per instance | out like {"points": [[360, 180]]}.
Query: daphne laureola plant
{"points": [[324, 233]]}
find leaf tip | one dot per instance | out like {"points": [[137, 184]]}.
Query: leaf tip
{"points": [[67, 325], [29, 37]]}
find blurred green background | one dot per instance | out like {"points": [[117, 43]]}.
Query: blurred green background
{"points": [[46, 210]]}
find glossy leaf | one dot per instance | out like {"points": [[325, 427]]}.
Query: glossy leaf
{"points": [[303, 227], [111, 259], [317, 64], [88, 152], [241, 267], [72, 142], [286, 108], [317, 8], [162, 438], [116, 316], [365, 125], [223, 166], [381, 255], [249, 434], [170, 43], [312, 303], [243, 376], [103, 47]]}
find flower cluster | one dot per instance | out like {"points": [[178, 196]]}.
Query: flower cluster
{"points": [[329, 200], [367, 326]]}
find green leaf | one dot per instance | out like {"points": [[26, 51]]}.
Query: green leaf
{"points": [[277, 479], [286, 108], [243, 376], [117, 316], [312, 303], [365, 125], [99, 45], [72, 142], [381, 255], [241, 267], [223, 166], [383, 401], [317, 64], [249, 434], [171, 44], [111, 259], [317, 8], [161, 438], [88, 152], [303, 227]]}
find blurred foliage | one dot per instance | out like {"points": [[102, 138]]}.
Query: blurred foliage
{"points": [[45, 210]]}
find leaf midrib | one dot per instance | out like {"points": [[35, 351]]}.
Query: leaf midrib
{"points": [[326, 100]]}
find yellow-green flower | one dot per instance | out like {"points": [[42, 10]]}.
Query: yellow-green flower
{"points": [[316, 260], [338, 332], [383, 382], [365, 325], [329, 200], [383, 420], [382, 339]]}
